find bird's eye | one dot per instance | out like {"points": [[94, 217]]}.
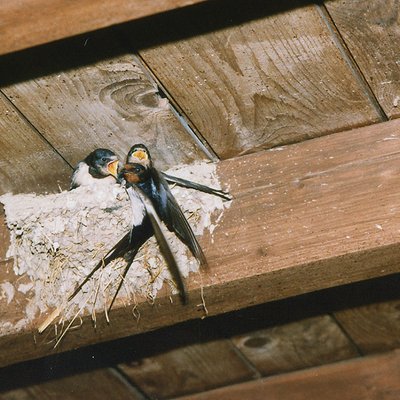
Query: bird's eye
{"points": [[104, 159]]}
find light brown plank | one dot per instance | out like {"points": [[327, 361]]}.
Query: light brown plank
{"points": [[27, 23], [301, 344], [375, 327], [274, 80], [108, 103], [370, 30], [188, 369], [96, 385], [27, 162], [309, 216], [375, 378]]}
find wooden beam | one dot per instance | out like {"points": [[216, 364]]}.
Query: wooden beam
{"points": [[96, 385], [370, 31], [298, 345], [374, 327], [27, 23], [28, 163], [109, 103], [305, 217], [191, 369], [366, 378], [272, 80]]}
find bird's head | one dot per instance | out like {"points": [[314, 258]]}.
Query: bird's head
{"points": [[133, 173], [102, 163], [139, 154]]}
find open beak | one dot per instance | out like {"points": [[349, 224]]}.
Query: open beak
{"points": [[112, 168], [141, 155]]}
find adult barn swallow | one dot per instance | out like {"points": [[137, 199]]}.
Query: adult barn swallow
{"points": [[139, 153], [99, 168], [156, 188], [136, 177]]}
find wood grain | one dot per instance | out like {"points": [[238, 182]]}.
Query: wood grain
{"points": [[374, 327], [309, 216], [188, 369], [108, 103], [298, 345], [371, 31], [96, 385], [372, 378], [28, 23], [274, 80], [27, 162]]}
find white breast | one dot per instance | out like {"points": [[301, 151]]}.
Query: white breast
{"points": [[81, 177]]}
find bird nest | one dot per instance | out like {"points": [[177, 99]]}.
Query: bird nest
{"points": [[57, 239]]}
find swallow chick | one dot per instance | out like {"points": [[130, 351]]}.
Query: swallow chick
{"points": [[100, 167], [139, 153]]}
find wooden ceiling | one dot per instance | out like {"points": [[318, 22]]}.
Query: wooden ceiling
{"points": [[248, 85]]}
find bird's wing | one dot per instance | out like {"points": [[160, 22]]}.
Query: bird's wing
{"points": [[133, 193], [197, 186], [127, 247], [118, 250], [75, 177], [176, 220]]}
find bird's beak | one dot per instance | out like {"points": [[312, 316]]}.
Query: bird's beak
{"points": [[139, 154], [112, 168]]}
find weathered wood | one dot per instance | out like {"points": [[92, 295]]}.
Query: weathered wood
{"points": [[28, 23], [97, 385], [188, 369], [274, 80], [27, 162], [301, 344], [309, 216], [109, 103], [374, 327], [372, 378], [371, 32]]}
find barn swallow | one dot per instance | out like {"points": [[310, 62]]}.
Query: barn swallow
{"points": [[137, 179], [139, 153], [156, 188], [99, 168]]}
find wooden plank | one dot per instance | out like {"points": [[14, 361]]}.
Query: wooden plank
{"points": [[96, 385], [108, 103], [370, 30], [372, 378], [309, 216], [277, 79], [27, 23], [374, 327], [27, 162], [301, 344], [189, 369]]}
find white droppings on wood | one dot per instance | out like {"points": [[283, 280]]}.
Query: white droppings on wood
{"points": [[57, 239], [7, 291]]}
